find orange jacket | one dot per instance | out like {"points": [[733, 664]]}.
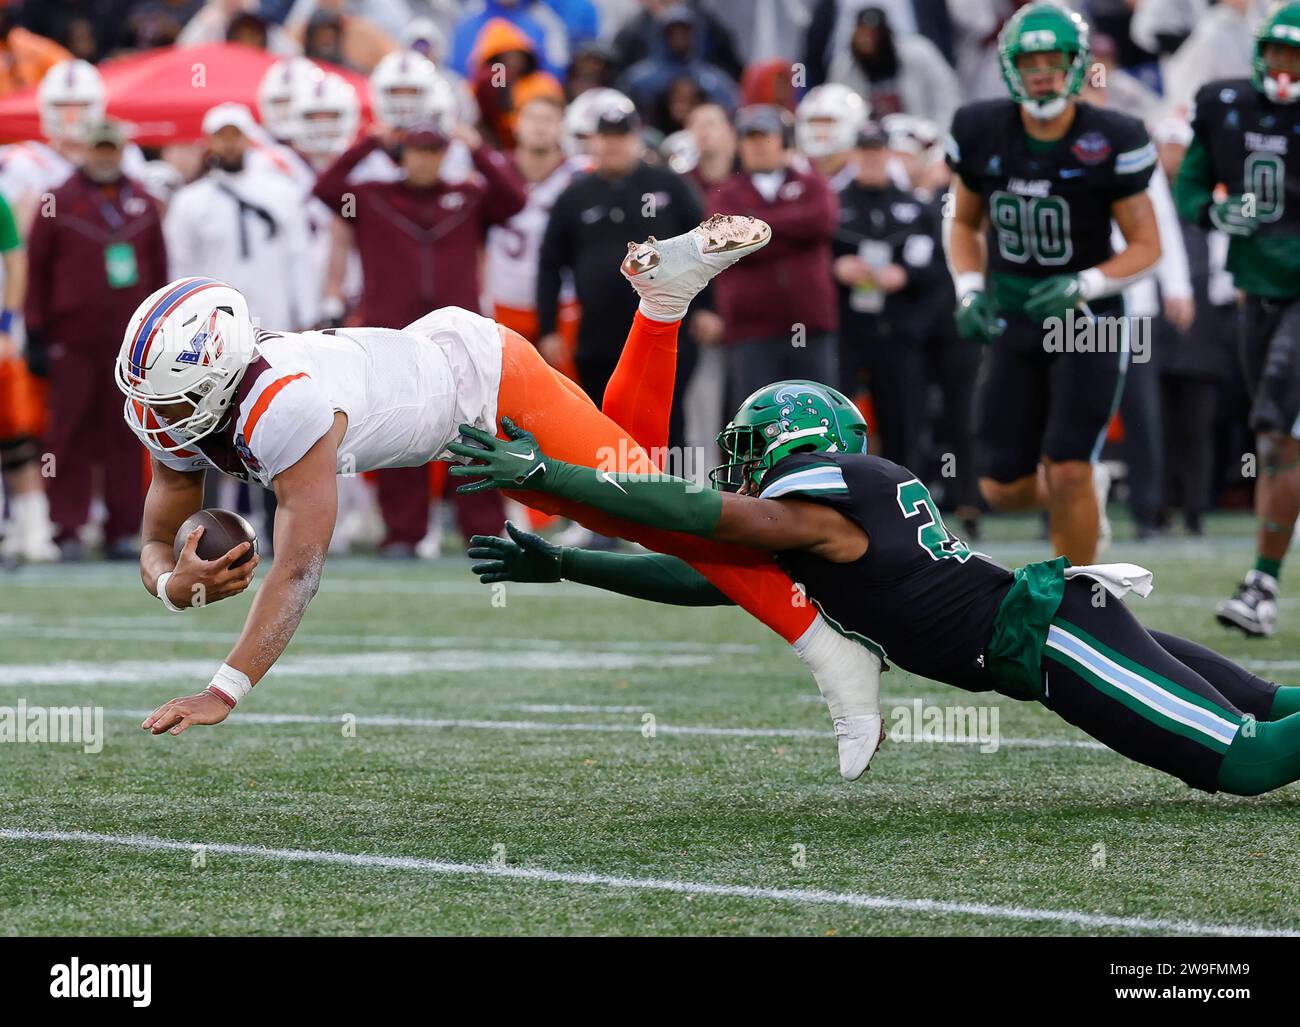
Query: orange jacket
{"points": [[25, 57]]}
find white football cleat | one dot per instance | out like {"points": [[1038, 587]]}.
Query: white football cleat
{"points": [[859, 739], [669, 274]]}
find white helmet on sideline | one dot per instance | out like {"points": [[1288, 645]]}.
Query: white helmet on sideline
{"points": [[828, 119], [586, 109], [71, 98], [276, 90], [189, 342], [406, 88], [326, 113]]}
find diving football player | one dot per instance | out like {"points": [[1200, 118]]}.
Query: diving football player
{"points": [[862, 536], [1038, 180], [289, 411], [1243, 131]]}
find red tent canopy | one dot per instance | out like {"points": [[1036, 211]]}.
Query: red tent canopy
{"points": [[163, 94]]}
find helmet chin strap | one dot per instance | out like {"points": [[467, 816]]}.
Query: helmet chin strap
{"points": [[1045, 110]]}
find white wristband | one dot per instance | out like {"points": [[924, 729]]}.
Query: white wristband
{"points": [[968, 282], [230, 685], [162, 593], [1094, 283]]}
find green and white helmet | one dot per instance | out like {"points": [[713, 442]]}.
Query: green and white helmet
{"points": [[1044, 28], [1280, 25], [783, 418]]}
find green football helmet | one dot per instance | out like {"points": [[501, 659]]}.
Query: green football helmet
{"points": [[1044, 28], [1280, 25], [783, 418]]}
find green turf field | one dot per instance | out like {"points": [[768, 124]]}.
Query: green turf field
{"points": [[425, 762]]}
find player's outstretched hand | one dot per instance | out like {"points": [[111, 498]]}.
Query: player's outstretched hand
{"points": [[177, 715], [197, 582], [511, 463], [522, 557]]}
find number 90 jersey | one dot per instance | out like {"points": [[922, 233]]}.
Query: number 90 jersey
{"points": [[919, 596], [1048, 208]]}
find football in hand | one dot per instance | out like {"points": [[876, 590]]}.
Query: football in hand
{"points": [[222, 531]]}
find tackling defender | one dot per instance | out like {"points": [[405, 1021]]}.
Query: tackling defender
{"points": [[1243, 131], [863, 537], [291, 410], [1045, 174]]}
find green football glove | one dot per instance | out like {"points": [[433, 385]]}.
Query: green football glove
{"points": [[513, 463], [522, 557], [1054, 297], [976, 319], [1230, 216]]}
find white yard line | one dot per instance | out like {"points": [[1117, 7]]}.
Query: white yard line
{"points": [[632, 726], [798, 896]]}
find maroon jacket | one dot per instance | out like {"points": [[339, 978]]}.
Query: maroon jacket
{"points": [[788, 281], [68, 295], [419, 248]]}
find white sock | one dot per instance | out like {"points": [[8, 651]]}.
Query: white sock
{"points": [[847, 674]]}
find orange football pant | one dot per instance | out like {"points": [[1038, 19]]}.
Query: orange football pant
{"points": [[569, 427]]}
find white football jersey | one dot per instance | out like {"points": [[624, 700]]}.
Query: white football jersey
{"points": [[510, 272], [405, 393]]}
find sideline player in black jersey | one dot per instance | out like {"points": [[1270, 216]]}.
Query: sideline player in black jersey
{"points": [[1038, 180], [863, 537], [1244, 130]]}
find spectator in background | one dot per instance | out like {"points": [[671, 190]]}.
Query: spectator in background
{"points": [[676, 54], [976, 24], [592, 68], [771, 82], [335, 25], [89, 29], [419, 240], [621, 199], [888, 264], [506, 75], [157, 23], [212, 24], [554, 28], [764, 30], [895, 72], [833, 24], [1124, 92], [90, 267], [681, 97], [642, 36], [715, 145], [24, 56], [778, 305]]}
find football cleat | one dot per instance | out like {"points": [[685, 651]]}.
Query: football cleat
{"points": [[669, 274], [1253, 607], [859, 739]]}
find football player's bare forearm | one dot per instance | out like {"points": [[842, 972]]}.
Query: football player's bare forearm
{"points": [[277, 610], [172, 497], [15, 264], [965, 249]]}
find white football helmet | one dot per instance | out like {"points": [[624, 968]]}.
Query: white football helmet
{"points": [[276, 91], [828, 119], [907, 133], [326, 113], [406, 88], [586, 109], [190, 342], [71, 98]]}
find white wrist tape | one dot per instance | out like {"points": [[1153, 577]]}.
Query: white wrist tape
{"points": [[968, 282], [1096, 284], [230, 685], [162, 593]]}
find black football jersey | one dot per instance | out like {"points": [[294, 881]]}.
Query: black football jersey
{"points": [[1049, 210], [919, 596], [1249, 139]]}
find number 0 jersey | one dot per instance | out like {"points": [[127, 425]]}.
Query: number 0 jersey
{"points": [[1048, 204], [1243, 141], [918, 596], [405, 394]]}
